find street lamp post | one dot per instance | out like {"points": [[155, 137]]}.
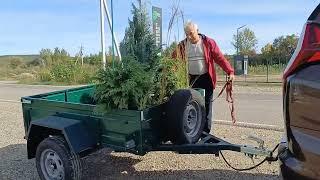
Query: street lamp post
{"points": [[237, 46], [238, 38]]}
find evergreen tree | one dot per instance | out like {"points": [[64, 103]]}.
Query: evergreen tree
{"points": [[139, 40]]}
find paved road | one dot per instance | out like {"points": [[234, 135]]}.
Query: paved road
{"points": [[16, 91], [259, 108], [252, 108]]}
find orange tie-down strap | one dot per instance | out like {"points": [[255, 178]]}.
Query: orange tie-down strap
{"points": [[229, 98]]}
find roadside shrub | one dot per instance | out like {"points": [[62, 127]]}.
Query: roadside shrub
{"points": [[44, 75], [70, 73], [63, 72], [15, 62], [84, 74], [36, 62], [26, 77]]}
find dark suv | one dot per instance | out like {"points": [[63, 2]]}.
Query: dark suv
{"points": [[300, 147]]}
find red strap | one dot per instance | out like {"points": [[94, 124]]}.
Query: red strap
{"points": [[229, 98]]}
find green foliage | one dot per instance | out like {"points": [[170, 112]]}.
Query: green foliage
{"points": [[169, 50], [268, 51], [127, 86], [144, 79], [60, 67], [247, 42], [36, 62], [54, 57], [51, 66], [96, 59], [68, 73], [93, 59], [139, 41], [44, 75], [280, 50], [63, 72], [46, 55], [60, 55], [171, 75], [285, 45], [85, 74], [134, 85], [263, 69]]}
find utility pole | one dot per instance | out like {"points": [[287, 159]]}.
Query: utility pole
{"points": [[112, 32], [81, 54], [103, 46]]}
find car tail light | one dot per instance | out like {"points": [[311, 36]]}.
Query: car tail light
{"points": [[308, 47]]}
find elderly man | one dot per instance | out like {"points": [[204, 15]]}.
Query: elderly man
{"points": [[201, 52]]}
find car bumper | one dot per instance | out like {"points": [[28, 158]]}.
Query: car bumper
{"points": [[290, 167]]}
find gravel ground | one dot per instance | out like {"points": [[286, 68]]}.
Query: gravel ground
{"points": [[169, 165], [156, 165]]}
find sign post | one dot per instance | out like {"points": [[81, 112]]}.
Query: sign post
{"points": [[245, 67], [157, 25]]}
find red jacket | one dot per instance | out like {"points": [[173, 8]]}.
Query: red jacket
{"points": [[212, 54]]}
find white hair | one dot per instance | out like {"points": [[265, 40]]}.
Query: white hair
{"points": [[190, 24]]}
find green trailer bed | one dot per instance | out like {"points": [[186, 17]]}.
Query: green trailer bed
{"points": [[123, 130]]}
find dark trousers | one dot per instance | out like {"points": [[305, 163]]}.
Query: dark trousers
{"points": [[204, 82]]}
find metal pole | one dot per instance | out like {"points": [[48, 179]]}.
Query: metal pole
{"points": [[267, 70], [237, 46], [112, 32], [238, 37], [103, 47], [81, 54], [237, 41], [279, 66], [110, 25], [234, 61]]}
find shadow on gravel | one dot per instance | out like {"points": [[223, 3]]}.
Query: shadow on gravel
{"points": [[102, 165], [14, 163]]}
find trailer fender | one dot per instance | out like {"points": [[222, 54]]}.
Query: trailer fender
{"points": [[78, 136]]}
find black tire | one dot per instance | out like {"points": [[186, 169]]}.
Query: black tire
{"points": [[185, 116], [64, 164]]}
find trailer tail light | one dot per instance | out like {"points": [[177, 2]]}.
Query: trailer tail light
{"points": [[26, 101]]}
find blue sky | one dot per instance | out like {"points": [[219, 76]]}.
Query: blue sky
{"points": [[26, 26]]}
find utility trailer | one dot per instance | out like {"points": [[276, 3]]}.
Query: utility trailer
{"points": [[61, 127]]}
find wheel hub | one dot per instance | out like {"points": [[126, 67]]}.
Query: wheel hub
{"points": [[192, 118], [51, 165]]}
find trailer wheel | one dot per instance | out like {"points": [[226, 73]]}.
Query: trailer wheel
{"points": [[54, 160], [186, 116]]}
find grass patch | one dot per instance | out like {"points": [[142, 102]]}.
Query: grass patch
{"points": [[4, 60], [259, 69]]}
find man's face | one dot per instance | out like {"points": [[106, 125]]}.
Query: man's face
{"points": [[192, 35]]}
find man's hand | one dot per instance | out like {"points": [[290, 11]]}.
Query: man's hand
{"points": [[231, 77]]}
